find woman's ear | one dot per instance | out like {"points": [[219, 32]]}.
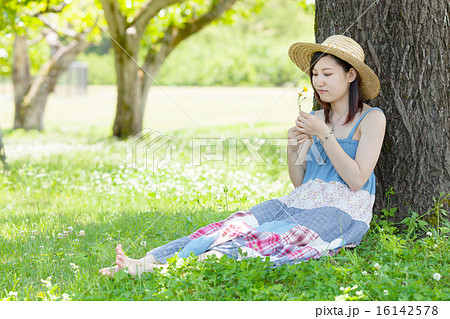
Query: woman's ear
{"points": [[351, 75]]}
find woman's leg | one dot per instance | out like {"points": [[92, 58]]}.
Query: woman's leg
{"points": [[257, 215], [135, 266], [146, 264]]}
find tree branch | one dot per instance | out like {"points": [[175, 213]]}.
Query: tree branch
{"points": [[116, 20], [148, 11], [53, 68], [36, 40], [62, 31], [196, 25], [55, 9], [173, 36]]}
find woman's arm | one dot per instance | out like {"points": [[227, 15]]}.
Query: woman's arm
{"points": [[297, 149], [354, 172]]}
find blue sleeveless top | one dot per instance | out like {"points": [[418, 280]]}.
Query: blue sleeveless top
{"points": [[318, 165]]}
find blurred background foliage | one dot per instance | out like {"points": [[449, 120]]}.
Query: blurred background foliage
{"points": [[20, 17], [246, 47], [252, 51]]}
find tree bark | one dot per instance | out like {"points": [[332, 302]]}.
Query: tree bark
{"points": [[129, 110], [134, 80], [31, 94], [406, 44]]}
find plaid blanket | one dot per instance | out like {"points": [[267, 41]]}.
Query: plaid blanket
{"points": [[278, 229]]}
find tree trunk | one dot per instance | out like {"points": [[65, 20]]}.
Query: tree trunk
{"points": [[133, 86], [133, 82], [2, 151], [31, 94], [129, 110], [406, 44], [21, 76]]}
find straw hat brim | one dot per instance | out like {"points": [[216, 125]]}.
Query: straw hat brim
{"points": [[301, 54]]}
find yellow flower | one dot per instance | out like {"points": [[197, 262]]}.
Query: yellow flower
{"points": [[299, 100]]}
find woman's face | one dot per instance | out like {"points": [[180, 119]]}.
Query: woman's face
{"points": [[330, 80]]}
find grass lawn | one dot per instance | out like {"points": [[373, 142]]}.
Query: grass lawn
{"points": [[69, 199]]}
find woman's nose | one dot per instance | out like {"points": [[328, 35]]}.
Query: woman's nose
{"points": [[319, 80]]}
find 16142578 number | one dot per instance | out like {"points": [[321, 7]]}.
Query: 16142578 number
{"points": [[407, 310]]}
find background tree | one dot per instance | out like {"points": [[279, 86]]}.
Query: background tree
{"points": [[8, 16], [2, 151], [406, 44], [64, 27], [146, 35]]}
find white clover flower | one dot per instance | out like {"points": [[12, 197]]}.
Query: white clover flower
{"points": [[33, 238], [70, 229], [386, 292], [341, 297], [47, 282], [429, 233], [22, 232], [60, 235], [437, 276], [109, 238], [81, 233], [364, 272], [377, 265], [41, 247], [47, 237], [34, 232], [359, 293], [65, 297], [143, 243], [13, 294]]}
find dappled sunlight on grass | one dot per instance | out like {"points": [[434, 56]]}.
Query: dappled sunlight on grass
{"points": [[68, 200]]}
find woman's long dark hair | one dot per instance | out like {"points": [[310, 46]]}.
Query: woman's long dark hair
{"points": [[355, 97]]}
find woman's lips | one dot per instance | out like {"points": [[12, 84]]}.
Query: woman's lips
{"points": [[321, 91]]}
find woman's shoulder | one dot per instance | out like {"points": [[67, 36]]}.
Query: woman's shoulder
{"points": [[375, 112], [375, 117]]}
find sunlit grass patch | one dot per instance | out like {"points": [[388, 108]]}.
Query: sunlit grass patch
{"points": [[63, 212]]}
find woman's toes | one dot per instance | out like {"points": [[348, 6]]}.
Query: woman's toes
{"points": [[119, 260], [108, 271]]}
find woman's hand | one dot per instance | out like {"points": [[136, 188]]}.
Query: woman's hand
{"points": [[296, 138], [310, 124]]}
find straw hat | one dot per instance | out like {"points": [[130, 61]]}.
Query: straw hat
{"points": [[344, 48]]}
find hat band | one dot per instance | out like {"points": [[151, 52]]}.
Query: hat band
{"points": [[340, 48]]}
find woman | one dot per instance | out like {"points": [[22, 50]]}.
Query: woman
{"points": [[331, 157]]}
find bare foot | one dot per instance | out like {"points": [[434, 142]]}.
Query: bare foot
{"points": [[132, 266]]}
